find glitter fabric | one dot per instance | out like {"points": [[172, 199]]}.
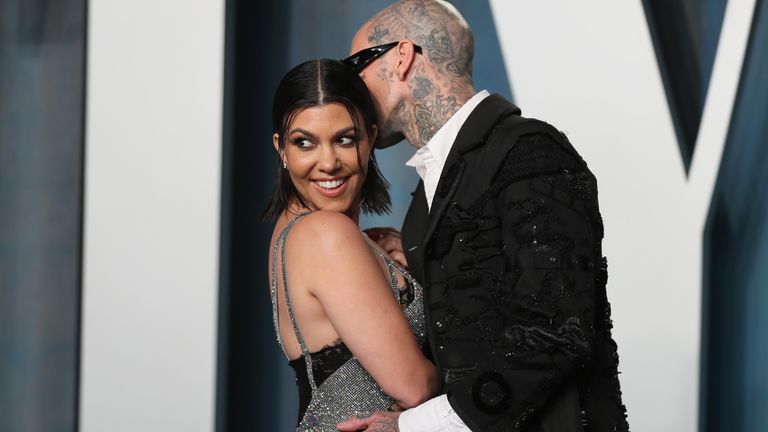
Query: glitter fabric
{"points": [[349, 390]]}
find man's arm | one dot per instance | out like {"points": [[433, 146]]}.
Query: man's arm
{"points": [[540, 303], [434, 415]]}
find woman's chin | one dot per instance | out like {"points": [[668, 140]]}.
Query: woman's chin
{"points": [[337, 208], [347, 208]]}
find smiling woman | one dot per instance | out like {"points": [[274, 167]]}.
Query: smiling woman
{"points": [[349, 319], [327, 158], [323, 110]]}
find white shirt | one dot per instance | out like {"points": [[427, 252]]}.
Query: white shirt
{"points": [[434, 415], [430, 159], [437, 414]]}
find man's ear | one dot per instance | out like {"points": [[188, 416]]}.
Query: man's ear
{"points": [[405, 56]]}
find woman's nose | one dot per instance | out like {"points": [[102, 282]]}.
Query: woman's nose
{"points": [[329, 160]]}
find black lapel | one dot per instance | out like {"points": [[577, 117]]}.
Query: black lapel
{"points": [[413, 230], [472, 134]]}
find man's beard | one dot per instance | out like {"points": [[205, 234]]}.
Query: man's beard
{"points": [[389, 135], [388, 140]]}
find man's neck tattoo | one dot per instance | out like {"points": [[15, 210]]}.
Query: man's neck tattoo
{"points": [[432, 108]]}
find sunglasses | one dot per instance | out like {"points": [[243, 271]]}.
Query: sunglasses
{"points": [[359, 60]]}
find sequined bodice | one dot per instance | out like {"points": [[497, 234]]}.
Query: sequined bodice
{"points": [[339, 387]]}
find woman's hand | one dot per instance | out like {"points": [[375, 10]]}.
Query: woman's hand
{"points": [[388, 239]]}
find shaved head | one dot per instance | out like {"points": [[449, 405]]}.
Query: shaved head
{"points": [[415, 94], [434, 25]]}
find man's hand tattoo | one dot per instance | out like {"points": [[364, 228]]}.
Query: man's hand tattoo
{"points": [[384, 424]]}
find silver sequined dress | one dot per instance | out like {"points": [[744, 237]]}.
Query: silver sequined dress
{"points": [[349, 390]]}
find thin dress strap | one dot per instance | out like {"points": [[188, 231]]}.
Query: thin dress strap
{"points": [[390, 268], [280, 245], [393, 267], [414, 312]]}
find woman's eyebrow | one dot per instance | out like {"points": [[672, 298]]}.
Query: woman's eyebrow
{"points": [[304, 132], [345, 130], [313, 136]]}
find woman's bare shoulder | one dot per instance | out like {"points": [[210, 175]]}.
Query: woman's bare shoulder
{"points": [[321, 235]]}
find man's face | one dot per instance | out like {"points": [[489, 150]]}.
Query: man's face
{"points": [[380, 78]]}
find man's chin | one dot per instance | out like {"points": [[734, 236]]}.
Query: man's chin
{"points": [[389, 140]]}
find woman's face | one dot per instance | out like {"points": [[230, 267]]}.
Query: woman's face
{"points": [[323, 161]]}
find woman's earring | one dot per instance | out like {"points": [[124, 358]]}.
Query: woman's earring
{"points": [[285, 164]]}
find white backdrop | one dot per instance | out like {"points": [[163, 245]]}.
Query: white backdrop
{"points": [[589, 68], [153, 156]]}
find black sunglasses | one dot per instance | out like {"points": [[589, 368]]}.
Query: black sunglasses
{"points": [[359, 60]]}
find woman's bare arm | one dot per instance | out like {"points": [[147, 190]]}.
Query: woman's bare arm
{"points": [[357, 299]]}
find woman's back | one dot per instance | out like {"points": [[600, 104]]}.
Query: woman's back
{"points": [[333, 384]]}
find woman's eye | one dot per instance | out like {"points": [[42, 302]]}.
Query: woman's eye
{"points": [[346, 140], [302, 143]]}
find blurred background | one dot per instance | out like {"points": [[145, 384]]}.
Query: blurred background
{"points": [[136, 157]]}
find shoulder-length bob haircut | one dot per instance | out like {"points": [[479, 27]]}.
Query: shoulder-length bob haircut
{"points": [[315, 83]]}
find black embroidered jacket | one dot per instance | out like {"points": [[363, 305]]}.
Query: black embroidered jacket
{"points": [[510, 255]]}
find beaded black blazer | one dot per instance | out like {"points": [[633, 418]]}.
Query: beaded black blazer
{"points": [[510, 258]]}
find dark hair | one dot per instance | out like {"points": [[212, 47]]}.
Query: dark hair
{"points": [[315, 83]]}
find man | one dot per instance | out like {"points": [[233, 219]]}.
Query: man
{"points": [[505, 234]]}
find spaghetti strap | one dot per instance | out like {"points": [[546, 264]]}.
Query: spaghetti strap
{"points": [[280, 246], [390, 268], [349, 390]]}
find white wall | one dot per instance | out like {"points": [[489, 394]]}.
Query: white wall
{"points": [[153, 150], [589, 68]]}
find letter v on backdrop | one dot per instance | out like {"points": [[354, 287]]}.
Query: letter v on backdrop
{"points": [[591, 69]]}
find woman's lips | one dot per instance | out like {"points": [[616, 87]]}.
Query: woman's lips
{"points": [[331, 188]]}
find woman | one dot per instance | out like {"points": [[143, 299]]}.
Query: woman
{"points": [[340, 313]]}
